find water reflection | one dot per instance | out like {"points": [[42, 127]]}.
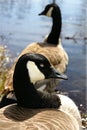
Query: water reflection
{"points": [[21, 25], [15, 9], [18, 17]]}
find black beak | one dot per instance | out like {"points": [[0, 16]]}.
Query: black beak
{"points": [[55, 74], [42, 13]]}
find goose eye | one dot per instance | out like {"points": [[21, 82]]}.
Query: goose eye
{"points": [[41, 65]]}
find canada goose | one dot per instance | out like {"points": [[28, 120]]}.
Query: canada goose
{"points": [[24, 115], [38, 68], [58, 57], [24, 85]]}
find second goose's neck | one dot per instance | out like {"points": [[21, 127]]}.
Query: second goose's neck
{"points": [[55, 31]]}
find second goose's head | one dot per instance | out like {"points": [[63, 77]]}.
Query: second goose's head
{"points": [[29, 69], [51, 10]]}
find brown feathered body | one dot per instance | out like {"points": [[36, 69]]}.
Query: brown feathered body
{"points": [[18, 118]]}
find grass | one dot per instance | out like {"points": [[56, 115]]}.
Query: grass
{"points": [[5, 62]]}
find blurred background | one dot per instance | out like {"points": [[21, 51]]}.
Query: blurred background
{"points": [[20, 25]]}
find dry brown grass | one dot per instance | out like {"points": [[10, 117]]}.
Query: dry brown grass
{"points": [[5, 61]]}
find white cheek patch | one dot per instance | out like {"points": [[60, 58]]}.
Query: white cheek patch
{"points": [[34, 73], [49, 13]]}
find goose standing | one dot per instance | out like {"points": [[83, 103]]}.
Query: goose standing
{"points": [[50, 48], [24, 115]]}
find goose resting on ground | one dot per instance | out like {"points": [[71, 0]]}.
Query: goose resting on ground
{"points": [[34, 109]]}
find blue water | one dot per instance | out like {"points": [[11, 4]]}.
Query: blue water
{"points": [[20, 25]]}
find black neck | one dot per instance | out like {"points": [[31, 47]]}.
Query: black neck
{"points": [[26, 94], [55, 31]]}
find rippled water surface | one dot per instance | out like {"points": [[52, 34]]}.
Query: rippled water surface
{"points": [[20, 25]]}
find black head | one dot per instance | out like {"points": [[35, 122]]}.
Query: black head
{"points": [[35, 67], [29, 69], [51, 10]]}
